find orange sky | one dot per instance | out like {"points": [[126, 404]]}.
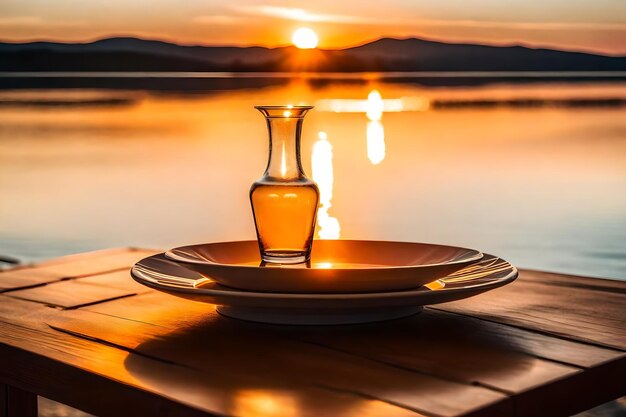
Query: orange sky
{"points": [[596, 25]]}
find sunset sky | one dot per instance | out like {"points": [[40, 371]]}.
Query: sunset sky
{"points": [[596, 25]]}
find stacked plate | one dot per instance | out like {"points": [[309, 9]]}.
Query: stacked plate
{"points": [[346, 282]]}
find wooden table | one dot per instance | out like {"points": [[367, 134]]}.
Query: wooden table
{"points": [[79, 331]]}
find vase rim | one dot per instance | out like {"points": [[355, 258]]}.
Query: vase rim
{"points": [[284, 107], [284, 112]]}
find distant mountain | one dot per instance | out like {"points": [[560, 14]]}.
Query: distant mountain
{"points": [[424, 55], [214, 54], [386, 54]]}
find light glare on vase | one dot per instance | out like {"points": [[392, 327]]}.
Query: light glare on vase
{"points": [[283, 162]]}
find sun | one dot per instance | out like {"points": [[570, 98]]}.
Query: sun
{"points": [[304, 38]]}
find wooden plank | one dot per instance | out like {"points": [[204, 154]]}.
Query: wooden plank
{"points": [[15, 402], [107, 381], [206, 342], [79, 266], [85, 255], [589, 310], [544, 375], [66, 258], [573, 281], [157, 309], [465, 349], [70, 294], [119, 279]]}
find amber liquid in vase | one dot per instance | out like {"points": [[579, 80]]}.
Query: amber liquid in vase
{"points": [[284, 201], [285, 220]]}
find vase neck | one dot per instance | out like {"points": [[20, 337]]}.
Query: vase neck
{"points": [[284, 153]]}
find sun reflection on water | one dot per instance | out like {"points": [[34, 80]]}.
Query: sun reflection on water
{"points": [[394, 105], [375, 141], [374, 107], [375, 130], [322, 169]]}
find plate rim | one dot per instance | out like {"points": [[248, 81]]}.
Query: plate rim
{"points": [[511, 276], [476, 256]]}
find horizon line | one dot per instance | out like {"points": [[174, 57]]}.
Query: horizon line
{"points": [[427, 39]]}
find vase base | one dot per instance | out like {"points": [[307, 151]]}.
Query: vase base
{"points": [[285, 258]]}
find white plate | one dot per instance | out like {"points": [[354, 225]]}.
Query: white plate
{"points": [[337, 266], [163, 274]]}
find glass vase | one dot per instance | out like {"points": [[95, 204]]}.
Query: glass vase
{"points": [[284, 201]]}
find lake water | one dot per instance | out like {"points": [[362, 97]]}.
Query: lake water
{"points": [[522, 170]]}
